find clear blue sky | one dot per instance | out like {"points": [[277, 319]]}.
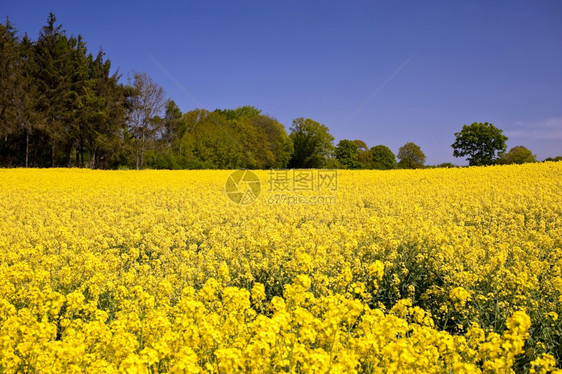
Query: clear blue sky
{"points": [[428, 67]]}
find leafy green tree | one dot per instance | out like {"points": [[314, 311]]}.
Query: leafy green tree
{"points": [[312, 144], [518, 155], [557, 158], [364, 156], [446, 165], [347, 153], [243, 111], [382, 158], [483, 143], [272, 151], [213, 142], [258, 154], [279, 142], [332, 163], [172, 125], [411, 156], [361, 145], [167, 152]]}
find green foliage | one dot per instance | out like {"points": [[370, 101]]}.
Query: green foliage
{"points": [[411, 156], [483, 143], [312, 143], [10, 74], [347, 153], [243, 111], [222, 139], [446, 165], [361, 145], [557, 158], [18, 96], [364, 156], [518, 155], [278, 140], [332, 163], [211, 141], [173, 126], [64, 106], [382, 158]]}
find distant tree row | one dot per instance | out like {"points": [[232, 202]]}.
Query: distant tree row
{"points": [[61, 106], [354, 154], [481, 143], [485, 144]]}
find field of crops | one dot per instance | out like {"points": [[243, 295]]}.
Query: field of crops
{"points": [[439, 270]]}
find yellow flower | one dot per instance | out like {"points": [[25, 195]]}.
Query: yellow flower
{"points": [[459, 296], [376, 270], [113, 271]]}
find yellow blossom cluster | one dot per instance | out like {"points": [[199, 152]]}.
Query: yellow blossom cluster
{"points": [[437, 270]]}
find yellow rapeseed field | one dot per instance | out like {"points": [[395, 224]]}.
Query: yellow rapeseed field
{"points": [[435, 271]]}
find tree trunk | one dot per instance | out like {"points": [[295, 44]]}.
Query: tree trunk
{"points": [[137, 154], [142, 151], [93, 162], [35, 154], [69, 156], [81, 152], [53, 155], [26, 147], [78, 156]]}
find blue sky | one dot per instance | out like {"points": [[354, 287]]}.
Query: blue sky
{"points": [[384, 72]]}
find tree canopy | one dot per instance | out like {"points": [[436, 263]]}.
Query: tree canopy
{"points": [[411, 156], [483, 143], [347, 153], [312, 143], [518, 155], [382, 158]]}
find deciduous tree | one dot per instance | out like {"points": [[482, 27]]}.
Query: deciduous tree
{"points": [[411, 156], [518, 155], [347, 153], [483, 143], [146, 104], [382, 158], [312, 143]]}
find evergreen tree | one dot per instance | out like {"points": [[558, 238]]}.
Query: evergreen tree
{"points": [[10, 72], [52, 53]]}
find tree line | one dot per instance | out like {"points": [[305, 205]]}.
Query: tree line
{"points": [[61, 106]]}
